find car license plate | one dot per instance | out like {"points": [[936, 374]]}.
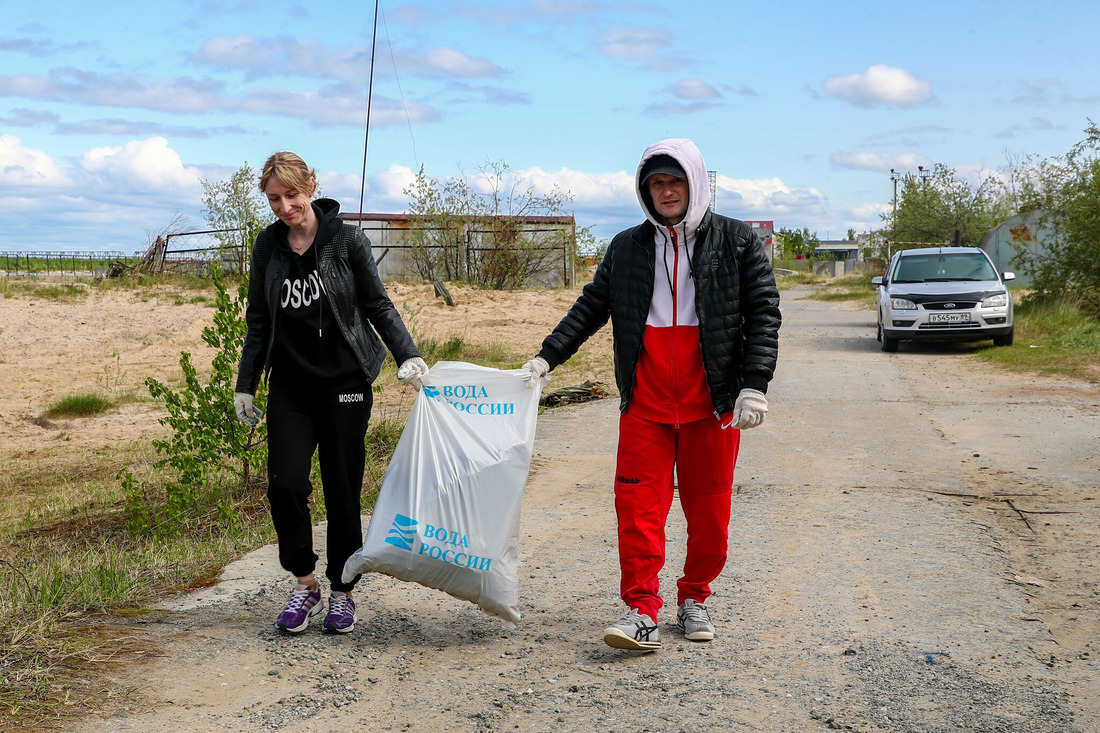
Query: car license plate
{"points": [[949, 318]]}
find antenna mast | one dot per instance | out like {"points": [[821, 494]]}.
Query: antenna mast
{"points": [[370, 93]]}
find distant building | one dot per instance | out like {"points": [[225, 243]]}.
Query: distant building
{"points": [[839, 249], [1023, 232], [766, 231]]}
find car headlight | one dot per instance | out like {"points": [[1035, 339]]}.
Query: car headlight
{"points": [[902, 304], [996, 301]]}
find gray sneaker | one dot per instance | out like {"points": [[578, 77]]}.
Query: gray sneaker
{"points": [[633, 631], [692, 618]]}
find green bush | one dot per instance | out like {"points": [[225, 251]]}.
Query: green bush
{"points": [[212, 455]]}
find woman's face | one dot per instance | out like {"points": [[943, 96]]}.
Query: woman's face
{"points": [[290, 205]]}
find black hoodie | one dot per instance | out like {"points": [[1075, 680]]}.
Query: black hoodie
{"points": [[350, 291], [310, 352]]}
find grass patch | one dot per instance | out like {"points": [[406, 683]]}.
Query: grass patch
{"points": [[70, 291], [1053, 336], [67, 554], [157, 284], [854, 287], [177, 289], [845, 295], [80, 405], [786, 282]]}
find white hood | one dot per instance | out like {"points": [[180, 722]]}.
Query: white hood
{"points": [[684, 152], [673, 300]]}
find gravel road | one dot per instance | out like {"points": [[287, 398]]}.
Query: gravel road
{"points": [[914, 547]]}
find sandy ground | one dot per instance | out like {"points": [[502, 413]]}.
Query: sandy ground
{"points": [[110, 341], [882, 575]]}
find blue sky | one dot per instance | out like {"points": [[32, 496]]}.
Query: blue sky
{"points": [[110, 116]]}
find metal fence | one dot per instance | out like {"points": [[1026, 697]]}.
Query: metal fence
{"points": [[195, 252], [83, 264]]}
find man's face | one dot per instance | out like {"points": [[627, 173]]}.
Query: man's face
{"points": [[670, 197]]}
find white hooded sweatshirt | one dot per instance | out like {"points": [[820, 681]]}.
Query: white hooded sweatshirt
{"points": [[671, 385]]}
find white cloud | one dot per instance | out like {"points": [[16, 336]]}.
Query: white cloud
{"points": [[242, 51], [138, 128], [880, 84], [672, 107], [25, 85], [22, 168], [768, 198], [29, 118], [589, 189], [331, 107], [286, 56], [456, 63], [633, 43], [178, 94], [148, 166], [108, 199], [694, 89], [878, 162], [390, 183], [384, 192]]}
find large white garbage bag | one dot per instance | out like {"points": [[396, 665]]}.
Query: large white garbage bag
{"points": [[448, 513]]}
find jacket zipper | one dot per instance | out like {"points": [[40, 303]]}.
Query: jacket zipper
{"points": [[675, 322]]}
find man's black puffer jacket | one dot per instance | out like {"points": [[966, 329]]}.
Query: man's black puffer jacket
{"points": [[736, 300], [350, 278]]}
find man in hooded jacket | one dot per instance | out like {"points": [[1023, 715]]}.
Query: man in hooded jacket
{"points": [[695, 316]]}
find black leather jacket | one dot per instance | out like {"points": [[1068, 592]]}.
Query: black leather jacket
{"points": [[736, 301], [351, 283]]}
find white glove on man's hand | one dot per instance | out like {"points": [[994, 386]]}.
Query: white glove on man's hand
{"points": [[749, 409], [412, 370], [536, 369], [246, 411]]}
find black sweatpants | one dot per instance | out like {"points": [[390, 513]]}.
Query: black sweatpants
{"points": [[299, 422]]}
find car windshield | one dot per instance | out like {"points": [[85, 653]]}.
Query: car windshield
{"points": [[938, 267]]}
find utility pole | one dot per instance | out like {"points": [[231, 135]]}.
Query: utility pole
{"points": [[894, 176]]}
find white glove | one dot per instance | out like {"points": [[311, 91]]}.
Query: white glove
{"points": [[749, 409], [536, 369], [246, 411], [412, 370]]}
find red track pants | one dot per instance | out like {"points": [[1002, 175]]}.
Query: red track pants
{"points": [[704, 456]]}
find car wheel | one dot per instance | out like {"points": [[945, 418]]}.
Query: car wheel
{"points": [[1005, 340], [888, 344]]}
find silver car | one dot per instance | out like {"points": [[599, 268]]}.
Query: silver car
{"points": [[943, 294]]}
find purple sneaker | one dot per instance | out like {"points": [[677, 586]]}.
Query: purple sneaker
{"points": [[304, 602], [341, 614]]}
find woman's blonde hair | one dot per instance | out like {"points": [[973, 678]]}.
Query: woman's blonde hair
{"points": [[291, 171]]}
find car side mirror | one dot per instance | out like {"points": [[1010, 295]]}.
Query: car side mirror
{"points": [[877, 280], [1008, 275]]}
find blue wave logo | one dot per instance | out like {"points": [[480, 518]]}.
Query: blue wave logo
{"points": [[402, 533], [432, 392]]}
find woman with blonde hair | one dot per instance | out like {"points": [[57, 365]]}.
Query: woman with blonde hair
{"points": [[319, 324]]}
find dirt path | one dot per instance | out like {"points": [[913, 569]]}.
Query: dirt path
{"points": [[879, 579]]}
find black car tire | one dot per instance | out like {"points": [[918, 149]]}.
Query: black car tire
{"points": [[1005, 340], [889, 345]]}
